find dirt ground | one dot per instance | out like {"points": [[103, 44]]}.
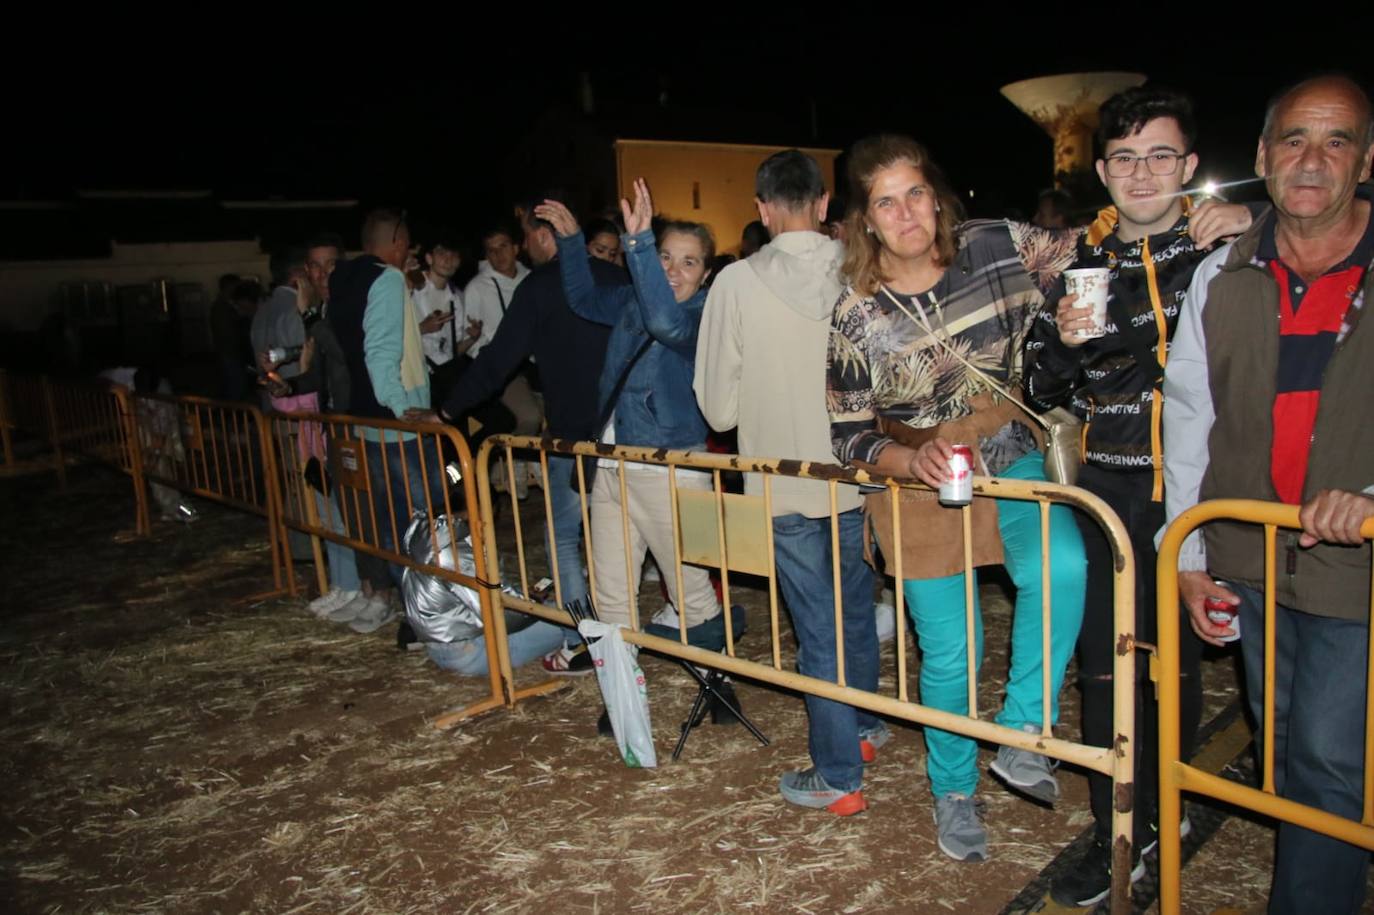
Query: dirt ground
{"points": [[169, 746]]}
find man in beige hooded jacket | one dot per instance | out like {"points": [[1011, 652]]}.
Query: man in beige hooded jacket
{"points": [[760, 366]]}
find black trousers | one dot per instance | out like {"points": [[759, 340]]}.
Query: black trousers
{"points": [[1128, 494]]}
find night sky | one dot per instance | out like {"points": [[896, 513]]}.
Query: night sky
{"points": [[261, 118]]}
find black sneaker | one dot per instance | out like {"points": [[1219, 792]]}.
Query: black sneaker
{"points": [[1091, 879]]}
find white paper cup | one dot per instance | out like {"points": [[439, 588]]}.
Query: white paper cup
{"points": [[1090, 285]]}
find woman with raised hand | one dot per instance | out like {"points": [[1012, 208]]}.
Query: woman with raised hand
{"points": [[646, 399]]}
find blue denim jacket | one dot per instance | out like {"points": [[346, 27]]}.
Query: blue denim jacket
{"points": [[656, 406]]}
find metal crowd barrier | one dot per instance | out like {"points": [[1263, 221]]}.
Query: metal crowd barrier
{"points": [[373, 493], [1176, 775], [216, 450], [26, 405], [89, 419], [733, 533]]}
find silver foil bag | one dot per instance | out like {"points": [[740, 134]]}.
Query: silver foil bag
{"points": [[440, 610]]}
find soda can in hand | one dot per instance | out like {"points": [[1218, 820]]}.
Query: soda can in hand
{"points": [[1222, 613], [958, 489]]}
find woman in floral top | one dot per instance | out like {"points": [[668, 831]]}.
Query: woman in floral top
{"points": [[924, 285]]}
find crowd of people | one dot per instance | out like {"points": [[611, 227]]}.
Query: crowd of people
{"points": [[881, 338]]}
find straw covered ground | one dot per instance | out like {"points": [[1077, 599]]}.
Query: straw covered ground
{"points": [[170, 746]]}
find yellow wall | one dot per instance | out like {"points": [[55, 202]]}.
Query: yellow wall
{"points": [[721, 173]]}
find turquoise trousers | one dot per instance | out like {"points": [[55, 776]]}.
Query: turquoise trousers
{"points": [[937, 608]]}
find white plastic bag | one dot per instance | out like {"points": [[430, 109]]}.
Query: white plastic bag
{"points": [[624, 689]]}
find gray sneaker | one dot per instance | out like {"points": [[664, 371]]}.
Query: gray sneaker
{"points": [[1029, 773], [958, 828]]}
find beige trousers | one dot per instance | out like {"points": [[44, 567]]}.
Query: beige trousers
{"points": [[650, 518]]}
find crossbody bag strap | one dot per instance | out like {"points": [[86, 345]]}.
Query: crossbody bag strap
{"points": [[499, 295], [609, 408], [924, 323]]}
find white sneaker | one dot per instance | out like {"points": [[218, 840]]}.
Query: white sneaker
{"points": [[347, 613], [667, 616], [335, 598], [374, 616]]}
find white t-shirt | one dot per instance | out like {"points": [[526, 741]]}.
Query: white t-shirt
{"points": [[439, 345]]}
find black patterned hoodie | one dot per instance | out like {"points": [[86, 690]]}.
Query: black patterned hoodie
{"points": [[1102, 381]]}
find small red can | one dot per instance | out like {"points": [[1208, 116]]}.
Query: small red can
{"points": [[1222, 613], [958, 489]]}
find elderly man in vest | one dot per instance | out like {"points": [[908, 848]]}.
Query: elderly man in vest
{"points": [[1267, 397]]}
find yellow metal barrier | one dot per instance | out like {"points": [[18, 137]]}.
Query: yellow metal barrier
{"points": [[28, 407], [1176, 776], [73, 418], [734, 533], [217, 450], [374, 491]]}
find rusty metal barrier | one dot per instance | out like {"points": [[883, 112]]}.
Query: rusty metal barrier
{"points": [[729, 532], [74, 419], [27, 405], [216, 450], [1177, 776], [380, 473]]}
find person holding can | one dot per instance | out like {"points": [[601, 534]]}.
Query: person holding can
{"points": [[931, 324]]}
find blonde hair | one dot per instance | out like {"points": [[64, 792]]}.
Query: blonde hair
{"points": [[863, 250]]}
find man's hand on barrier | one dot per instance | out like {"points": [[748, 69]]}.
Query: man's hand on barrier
{"points": [[420, 415], [1334, 516], [1193, 589]]}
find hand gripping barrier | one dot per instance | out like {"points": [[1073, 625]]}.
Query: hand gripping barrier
{"points": [[1176, 776]]}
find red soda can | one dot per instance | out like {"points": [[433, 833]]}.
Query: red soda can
{"points": [[958, 489], [1222, 613]]}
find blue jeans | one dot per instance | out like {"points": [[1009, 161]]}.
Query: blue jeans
{"points": [[389, 489], [469, 658], [1319, 697], [567, 528], [343, 567], [937, 608], [802, 547]]}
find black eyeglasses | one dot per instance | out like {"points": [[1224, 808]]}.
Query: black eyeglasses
{"points": [[1159, 163]]}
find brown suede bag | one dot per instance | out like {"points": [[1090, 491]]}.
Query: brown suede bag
{"points": [[933, 535]]}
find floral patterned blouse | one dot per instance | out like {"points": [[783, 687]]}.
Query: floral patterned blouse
{"points": [[882, 363]]}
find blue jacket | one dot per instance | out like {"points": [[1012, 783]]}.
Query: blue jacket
{"points": [[656, 406]]}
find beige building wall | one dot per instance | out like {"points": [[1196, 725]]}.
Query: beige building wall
{"points": [[29, 290], [704, 182]]}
